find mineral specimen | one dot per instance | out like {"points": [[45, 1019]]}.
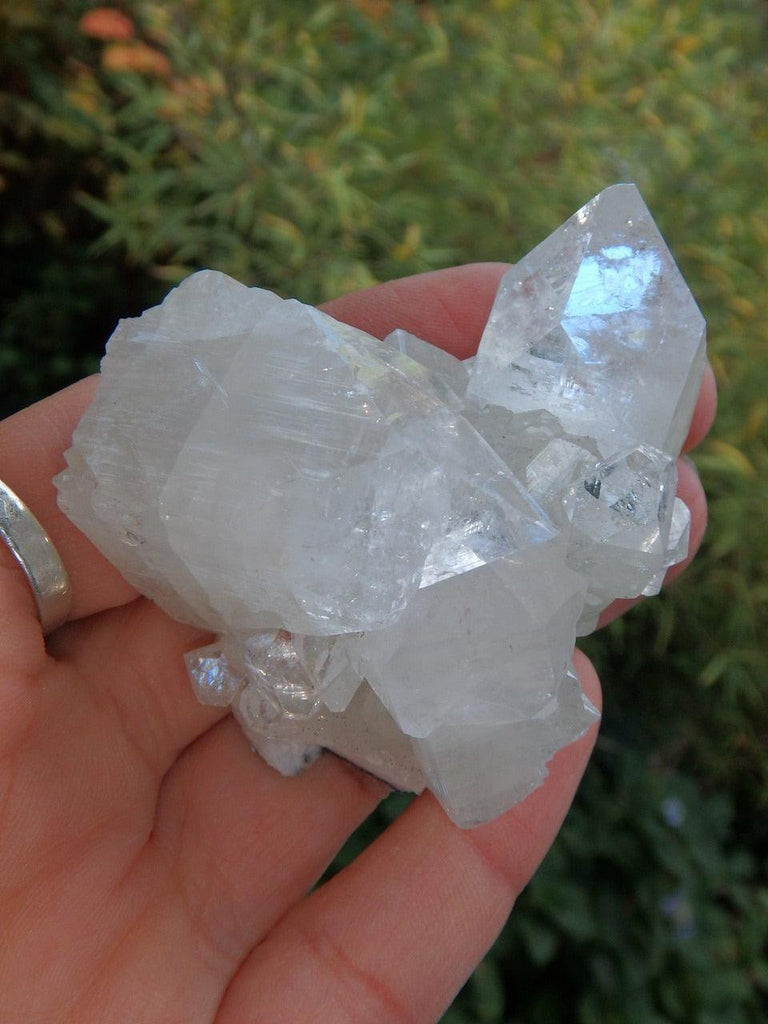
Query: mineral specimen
{"points": [[395, 549]]}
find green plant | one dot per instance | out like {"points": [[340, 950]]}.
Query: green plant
{"points": [[57, 302], [647, 910]]}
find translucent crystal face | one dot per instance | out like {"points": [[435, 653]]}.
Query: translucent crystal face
{"points": [[397, 549], [213, 678], [597, 326], [621, 513]]}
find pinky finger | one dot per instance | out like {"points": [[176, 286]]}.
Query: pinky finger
{"points": [[395, 935]]}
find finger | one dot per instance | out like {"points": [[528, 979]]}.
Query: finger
{"points": [[247, 843], [224, 819], [131, 675], [31, 447], [704, 413], [393, 937], [90, 743], [448, 308], [233, 845]]}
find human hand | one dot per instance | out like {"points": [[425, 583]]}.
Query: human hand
{"points": [[152, 869]]}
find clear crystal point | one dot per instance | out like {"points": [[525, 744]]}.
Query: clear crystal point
{"points": [[597, 326], [621, 513], [213, 678]]}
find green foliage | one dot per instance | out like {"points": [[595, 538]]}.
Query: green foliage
{"points": [[58, 303], [314, 148], [647, 910]]}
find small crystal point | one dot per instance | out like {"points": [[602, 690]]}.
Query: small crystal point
{"points": [[444, 373], [212, 677], [621, 515], [299, 674], [679, 534]]}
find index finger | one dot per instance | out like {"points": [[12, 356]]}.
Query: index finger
{"points": [[446, 307]]}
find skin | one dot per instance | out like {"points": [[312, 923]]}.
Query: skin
{"points": [[152, 869]]}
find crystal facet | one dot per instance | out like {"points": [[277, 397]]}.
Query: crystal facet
{"points": [[597, 326], [395, 548]]}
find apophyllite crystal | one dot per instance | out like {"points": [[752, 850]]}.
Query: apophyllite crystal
{"points": [[395, 549]]}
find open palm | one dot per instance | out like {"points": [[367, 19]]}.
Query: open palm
{"points": [[152, 868]]}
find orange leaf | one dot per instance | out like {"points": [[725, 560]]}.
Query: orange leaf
{"points": [[139, 57], [377, 10], [107, 23]]}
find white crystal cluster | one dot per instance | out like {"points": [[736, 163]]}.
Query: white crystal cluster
{"points": [[395, 549]]}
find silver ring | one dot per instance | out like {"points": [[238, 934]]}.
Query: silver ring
{"points": [[34, 551]]}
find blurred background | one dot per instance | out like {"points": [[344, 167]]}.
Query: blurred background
{"points": [[314, 148]]}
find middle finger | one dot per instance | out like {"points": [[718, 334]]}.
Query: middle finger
{"points": [[246, 843]]}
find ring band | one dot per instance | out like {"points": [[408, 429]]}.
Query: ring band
{"points": [[34, 551]]}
